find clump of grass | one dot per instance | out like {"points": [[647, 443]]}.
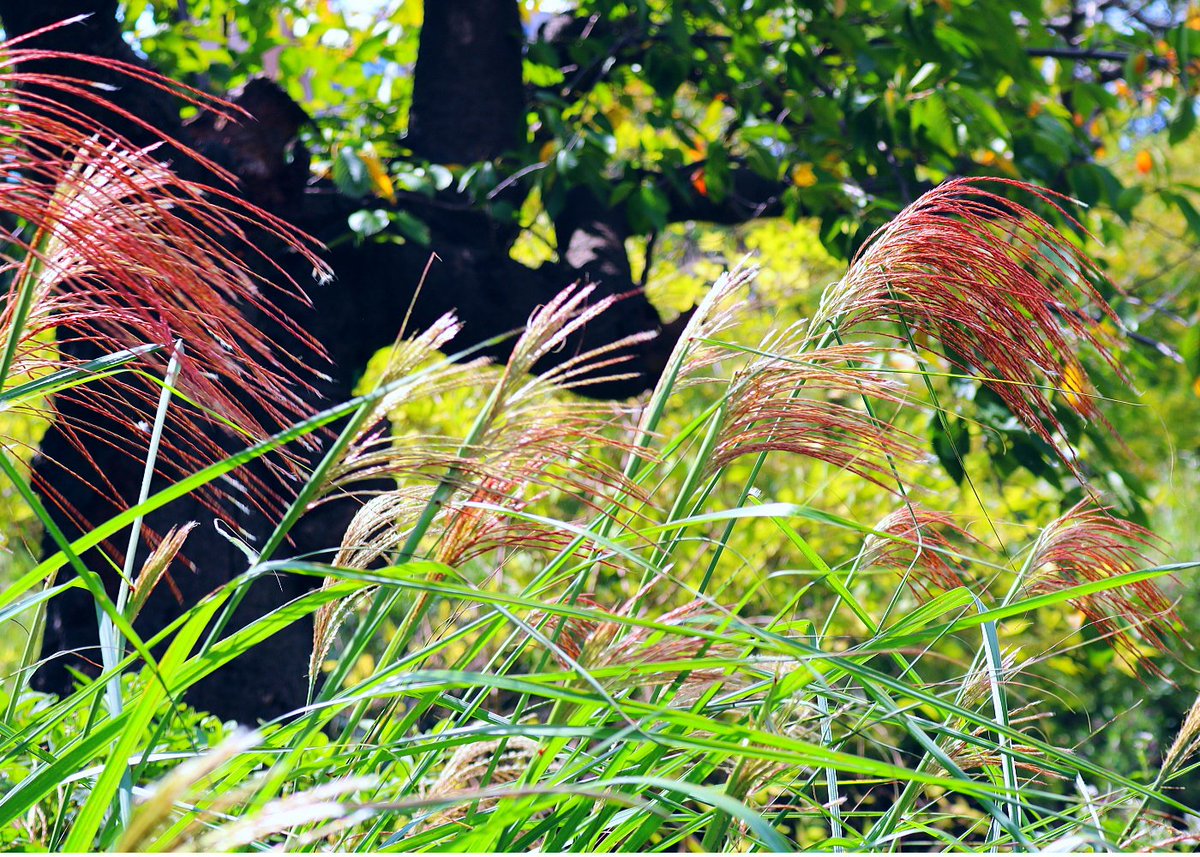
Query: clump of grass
{"points": [[537, 631]]}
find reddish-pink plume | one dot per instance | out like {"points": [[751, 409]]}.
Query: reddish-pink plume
{"points": [[120, 252], [917, 540], [1088, 544], [1008, 295]]}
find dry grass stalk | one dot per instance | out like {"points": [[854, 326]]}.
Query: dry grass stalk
{"points": [[752, 774], [968, 755]]}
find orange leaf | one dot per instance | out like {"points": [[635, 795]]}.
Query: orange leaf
{"points": [[381, 182], [1074, 386], [698, 181], [803, 175]]}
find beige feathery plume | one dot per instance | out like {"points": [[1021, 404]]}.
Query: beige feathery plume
{"points": [[1188, 739], [526, 440], [156, 566], [157, 808], [478, 766]]}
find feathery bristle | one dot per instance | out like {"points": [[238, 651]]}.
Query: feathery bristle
{"points": [[785, 403], [975, 755], [1001, 288], [1089, 544], [1186, 741], [918, 545]]}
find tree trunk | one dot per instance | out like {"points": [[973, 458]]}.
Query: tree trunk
{"points": [[468, 104]]}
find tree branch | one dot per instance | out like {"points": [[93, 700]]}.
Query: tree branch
{"points": [[1090, 55]]}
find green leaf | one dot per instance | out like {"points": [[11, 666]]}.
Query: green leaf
{"points": [[666, 69], [412, 228], [648, 208], [442, 176], [1184, 122], [368, 222], [930, 115], [350, 173], [1185, 207]]}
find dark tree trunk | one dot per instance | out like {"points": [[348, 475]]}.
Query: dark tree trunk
{"points": [[467, 106]]}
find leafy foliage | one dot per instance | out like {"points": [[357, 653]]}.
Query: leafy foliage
{"points": [[655, 101]]}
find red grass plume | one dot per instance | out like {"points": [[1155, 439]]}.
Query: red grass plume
{"points": [[119, 252], [1088, 544], [594, 643], [810, 403], [1006, 293], [918, 542]]}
